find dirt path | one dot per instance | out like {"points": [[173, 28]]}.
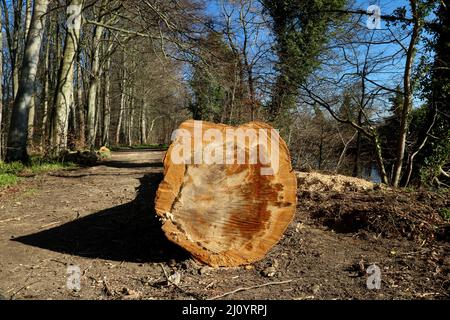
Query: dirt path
{"points": [[101, 220]]}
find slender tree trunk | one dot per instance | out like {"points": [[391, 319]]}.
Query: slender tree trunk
{"points": [[123, 87], [31, 115], [1, 87], [64, 97], [131, 120], [80, 104], [45, 98], [143, 123], [28, 15], [107, 104], [98, 113], [12, 37], [344, 151], [153, 123], [357, 164], [15, 49], [17, 138], [410, 165], [407, 99], [32, 109], [379, 159], [93, 86], [320, 148]]}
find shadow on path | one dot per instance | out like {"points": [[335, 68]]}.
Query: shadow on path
{"points": [[131, 165], [129, 232]]}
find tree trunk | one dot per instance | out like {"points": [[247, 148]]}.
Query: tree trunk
{"points": [[407, 100], [131, 121], [107, 104], [232, 214], [17, 138], [143, 123], [357, 164], [319, 164], [1, 87], [45, 98], [64, 97], [12, 37], [31, 115], [379, 159], [122, 105], [98, 113], [94, 80], [80, 104], [28, 15], [15, 47], [32, 109]]}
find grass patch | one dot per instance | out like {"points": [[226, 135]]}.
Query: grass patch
{"points": [[7, 180], [445, 213], [10, 173]]}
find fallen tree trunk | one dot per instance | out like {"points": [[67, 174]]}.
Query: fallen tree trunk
{"points": [[222, 207]]}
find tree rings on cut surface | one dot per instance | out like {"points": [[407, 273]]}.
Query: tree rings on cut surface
{"points": [[228, 193]]}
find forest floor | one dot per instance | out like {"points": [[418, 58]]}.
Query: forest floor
{"points": [[102, 220]]}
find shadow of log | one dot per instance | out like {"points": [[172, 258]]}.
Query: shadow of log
{"points": [[129, 232]]}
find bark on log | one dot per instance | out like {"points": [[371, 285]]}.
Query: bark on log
{"points": [[226, 214]]}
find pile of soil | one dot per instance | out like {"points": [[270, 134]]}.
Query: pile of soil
{"points": [[348, 205]]}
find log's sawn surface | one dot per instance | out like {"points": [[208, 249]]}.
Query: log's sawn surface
{"points": [[226, 214]]}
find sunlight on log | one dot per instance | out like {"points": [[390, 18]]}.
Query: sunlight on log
{"points": [[230, 212]]}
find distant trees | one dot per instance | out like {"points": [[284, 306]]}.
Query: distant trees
{"points": [[70, 85]]}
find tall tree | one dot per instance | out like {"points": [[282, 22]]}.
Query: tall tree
{"points": [[436, 152], [213, 82], [1, 87], [417, 14], [18, 130], [300, 29], [13, 31], [94, 77], [65, 88]]}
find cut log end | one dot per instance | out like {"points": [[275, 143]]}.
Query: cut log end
{"points": [[226, 214]]}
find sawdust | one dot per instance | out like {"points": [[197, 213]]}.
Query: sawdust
{"points": [[314, 181]]}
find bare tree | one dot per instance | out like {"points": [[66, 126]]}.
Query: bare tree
{"points": [[64, 98], [17, 138], [1, 87]]}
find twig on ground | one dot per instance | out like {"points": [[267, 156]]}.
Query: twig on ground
{"points": [[14, 219], [250, 288], [106, 288], [49, 224], [22, 288], [177, 286]]}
